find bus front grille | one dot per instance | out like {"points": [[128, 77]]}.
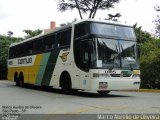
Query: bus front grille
{"points": [[120, 75]]}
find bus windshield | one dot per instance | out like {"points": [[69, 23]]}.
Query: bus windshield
{"points": [[106, 54], [122, 32], [116, 53]]}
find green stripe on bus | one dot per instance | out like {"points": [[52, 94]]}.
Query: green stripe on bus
{"points": [[42, 68], [50, 67]]}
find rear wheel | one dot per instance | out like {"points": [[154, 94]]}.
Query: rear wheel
{"points": [[21, 80], [103, 92], [65, 83], [16, 79]]}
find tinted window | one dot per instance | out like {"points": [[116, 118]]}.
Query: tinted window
{"points": [[81, 30], [64, 37], [11, 52], [68, 36], [85, 54], [38, 45], [122, 32], [20, 50], [49, 42], [28, 48], [42, 44]]}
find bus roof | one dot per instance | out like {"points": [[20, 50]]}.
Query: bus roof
{"points": [[103, 21], [68, 26]]}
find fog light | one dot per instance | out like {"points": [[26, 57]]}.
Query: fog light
{"points": [[136, 75]]}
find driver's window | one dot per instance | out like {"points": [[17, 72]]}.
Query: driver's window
{"points": [[84, 54]]}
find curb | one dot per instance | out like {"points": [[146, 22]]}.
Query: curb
{"points": [[143, 90], [148, 90]]}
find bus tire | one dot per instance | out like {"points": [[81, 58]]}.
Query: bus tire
{"points": [[21, 80], [16, 79], [65, 83], [103, 92]]}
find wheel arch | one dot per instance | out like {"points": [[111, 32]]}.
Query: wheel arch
{"points": [[21, 74], [62, 75], [15, 76]]}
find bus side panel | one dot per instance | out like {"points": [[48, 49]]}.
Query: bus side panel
{"points": [[42, 68], [52, 61], [24, 70], [11, 73], [33, 70], [29, 72], [65, 63]]}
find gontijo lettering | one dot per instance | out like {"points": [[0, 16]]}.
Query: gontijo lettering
{"points": [[25, 60]]}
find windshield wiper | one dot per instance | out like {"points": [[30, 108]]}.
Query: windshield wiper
{"points": [[111, 68]]}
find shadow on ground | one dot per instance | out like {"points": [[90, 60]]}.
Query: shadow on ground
{"points": [[59, 91], [79, 93]]}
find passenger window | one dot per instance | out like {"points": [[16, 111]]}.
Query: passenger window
{"points": [[28, 49], [49, 42]]}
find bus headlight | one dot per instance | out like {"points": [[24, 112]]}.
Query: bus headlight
{"points": [[136, 74], [104, 75]]}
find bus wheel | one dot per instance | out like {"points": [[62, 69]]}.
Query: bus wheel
{"points": [[103, 92], [65, 83], [16, 79], [21, 80]]}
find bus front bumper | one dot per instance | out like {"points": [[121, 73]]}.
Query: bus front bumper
{"points": [[114, 84]]}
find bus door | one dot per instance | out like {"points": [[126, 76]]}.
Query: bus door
{"points": [[85, 60]]}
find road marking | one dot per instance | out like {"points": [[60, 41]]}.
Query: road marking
{"points": [[93, 108]]}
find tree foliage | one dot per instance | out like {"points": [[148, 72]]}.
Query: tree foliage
{"points": [[86, 6], [150, 62], [31, 33], [5, 41], [149, 54], [157, 22], [141, 35]]}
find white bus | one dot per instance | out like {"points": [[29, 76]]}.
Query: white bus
{"points": [[92, 55]]}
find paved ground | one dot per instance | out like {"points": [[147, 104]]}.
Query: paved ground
{"points": [[36, 101]]}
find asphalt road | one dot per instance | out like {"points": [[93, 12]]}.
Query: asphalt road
{"points": [[34, 100]]}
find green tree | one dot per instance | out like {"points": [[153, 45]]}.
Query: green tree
{"points": [[31, 33], [149, 54], [157, 21], [5, 41], [141, 35], [150, 62], [86, 6]]}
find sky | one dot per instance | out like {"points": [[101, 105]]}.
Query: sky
{"points": [[19, 15]]}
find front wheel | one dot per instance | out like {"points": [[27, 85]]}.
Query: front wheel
{"points": [[103, 92], [66, 83]]}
